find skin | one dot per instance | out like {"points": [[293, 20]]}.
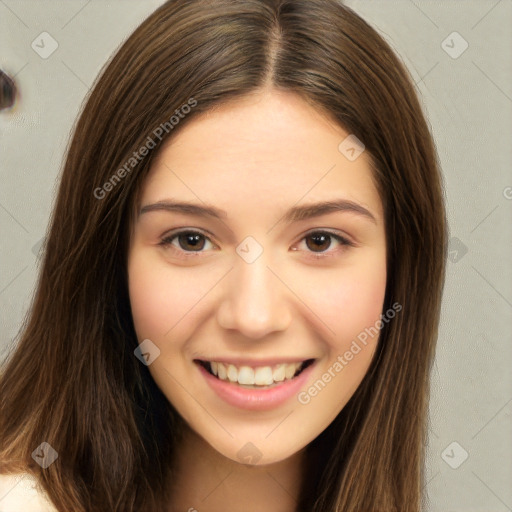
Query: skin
{"points": [[255, 158]]}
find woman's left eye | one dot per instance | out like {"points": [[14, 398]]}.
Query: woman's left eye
{"points": [[189, 242], [322, 240]]}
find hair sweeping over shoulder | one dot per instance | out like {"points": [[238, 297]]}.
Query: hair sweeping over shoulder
{"points": [[73, 380]]}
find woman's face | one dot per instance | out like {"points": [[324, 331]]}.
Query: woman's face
{"points": [[257, 285]]}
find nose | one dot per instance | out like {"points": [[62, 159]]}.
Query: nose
{"points": [[254, 300]]}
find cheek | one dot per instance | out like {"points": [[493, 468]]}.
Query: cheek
{"points": [[159, 298], [360, 305], [347, 300], [352, 306], [149, 298]]}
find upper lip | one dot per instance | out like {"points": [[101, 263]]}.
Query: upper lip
{"points": [[254, 363]]}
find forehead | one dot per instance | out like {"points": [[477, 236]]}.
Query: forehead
{"points": [[260, 153]]}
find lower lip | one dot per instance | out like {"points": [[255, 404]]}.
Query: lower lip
{"points": [[256, 399]]}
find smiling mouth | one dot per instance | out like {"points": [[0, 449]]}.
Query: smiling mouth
{"points": [[255, 377]]}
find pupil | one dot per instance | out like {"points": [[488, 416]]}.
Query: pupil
{"points": [[319, 240], [192, 240]]}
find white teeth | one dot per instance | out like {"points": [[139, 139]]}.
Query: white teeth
{"points": [[260, 376], [279, 373], [289, 371], [232, 373], [263, 376], [222, 371], [246, 375]]}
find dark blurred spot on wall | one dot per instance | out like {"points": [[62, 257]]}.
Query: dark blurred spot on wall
{"points": [[7, 91]]}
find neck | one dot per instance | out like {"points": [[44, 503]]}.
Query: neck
{"points": [[206, 481]]}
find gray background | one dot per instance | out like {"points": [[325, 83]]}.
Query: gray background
{"points": [[467, 96]]}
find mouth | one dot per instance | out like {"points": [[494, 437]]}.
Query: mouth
{"points": [[255, 377]]}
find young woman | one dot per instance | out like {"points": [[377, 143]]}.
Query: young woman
{"points": [[240, 293]]}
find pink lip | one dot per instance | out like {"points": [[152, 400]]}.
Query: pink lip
{"points": [[256, 399]]}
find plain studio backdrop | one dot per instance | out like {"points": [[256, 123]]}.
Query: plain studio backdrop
{"points": [[460, 56]]}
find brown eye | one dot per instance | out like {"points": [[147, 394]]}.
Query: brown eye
{"points": [[191, 241], [318, 244], [186, 243], [320, 241]]}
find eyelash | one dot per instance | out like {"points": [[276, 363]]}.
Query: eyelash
{"points": [[167, 242]]}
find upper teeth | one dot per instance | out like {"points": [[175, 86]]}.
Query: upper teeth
{"points": [[261, 376]]}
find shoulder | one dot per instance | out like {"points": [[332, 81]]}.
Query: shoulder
{"points": [[21, 492]]}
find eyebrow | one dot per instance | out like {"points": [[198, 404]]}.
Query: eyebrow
{"points": [[294, 214]]}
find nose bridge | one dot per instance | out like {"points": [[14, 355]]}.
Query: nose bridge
{"points": [[255, 300]]}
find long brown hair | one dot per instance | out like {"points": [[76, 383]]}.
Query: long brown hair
{"points": [[73, 380]]}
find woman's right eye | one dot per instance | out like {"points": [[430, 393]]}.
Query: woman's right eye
{"points": [[187, 241]]}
